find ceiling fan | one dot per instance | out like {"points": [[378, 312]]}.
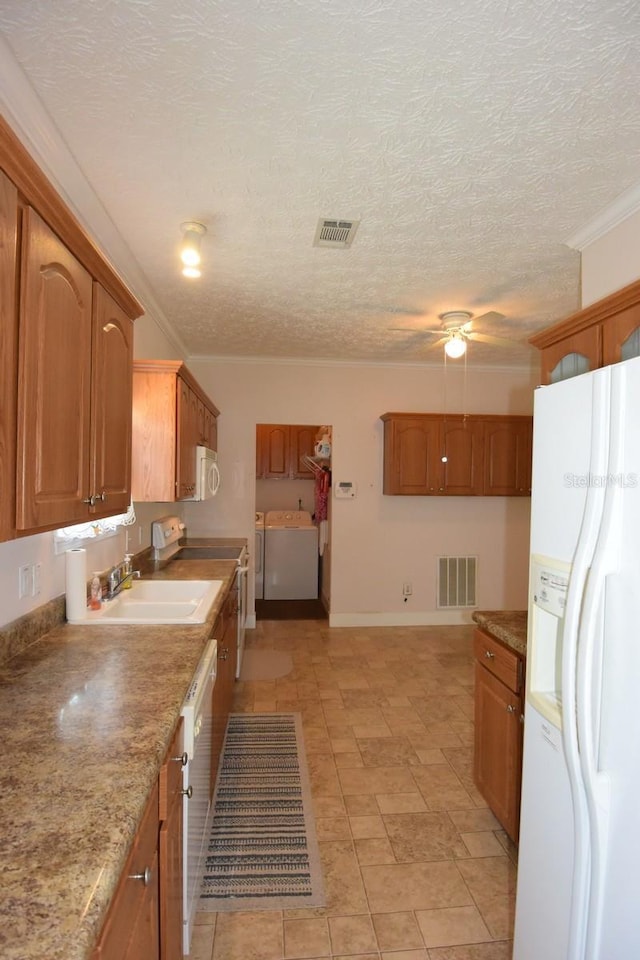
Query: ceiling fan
{"points": [[456, 331]]}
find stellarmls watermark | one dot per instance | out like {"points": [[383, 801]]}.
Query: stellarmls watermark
{"points": [[582, 480]]}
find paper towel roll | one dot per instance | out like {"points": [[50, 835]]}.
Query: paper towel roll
{"points": [[76, 584]]}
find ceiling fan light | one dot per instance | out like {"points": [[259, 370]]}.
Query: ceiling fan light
{"points": [[455, 346], [193, 233], [191, 272]]}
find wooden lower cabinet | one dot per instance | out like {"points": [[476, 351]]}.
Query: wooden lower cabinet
{"points": [[144, 921], [131, 930], [497, 762], [226, 631], [170, 850]]}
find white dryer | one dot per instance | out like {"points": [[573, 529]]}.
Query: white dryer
{"points": [[259, 556], [290, 556]]}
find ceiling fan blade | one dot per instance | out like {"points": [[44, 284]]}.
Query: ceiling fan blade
{"points": [[496, 341], [429, 333], [491, 317]]}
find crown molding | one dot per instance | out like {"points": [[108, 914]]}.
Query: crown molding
{"points": [[26, 115], [622, 207]]}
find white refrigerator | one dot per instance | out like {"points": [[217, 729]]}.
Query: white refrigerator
{"points": [[578, 894]]}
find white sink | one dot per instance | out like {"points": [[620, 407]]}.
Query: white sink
{"points": [[158, 601]]}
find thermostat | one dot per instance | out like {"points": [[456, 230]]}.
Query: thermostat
{"points": [[345, 489]]}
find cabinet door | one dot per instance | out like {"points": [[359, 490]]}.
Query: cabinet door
{"points": [[8, 354], [572, 356], [54, 382], [507, 458], [498, 748], [462, 444], [187, 440], [412, 457], [170, 852], [273, 454], [211, 429], [131, 930], [111, 401], [302, 443], [621, 335]]}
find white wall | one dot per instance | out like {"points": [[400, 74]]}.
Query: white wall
{"points": [[612, 261], [377, 541]]}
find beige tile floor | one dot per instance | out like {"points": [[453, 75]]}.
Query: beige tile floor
{"points": [[415, 865]]}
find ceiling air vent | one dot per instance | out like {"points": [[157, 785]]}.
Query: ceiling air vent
{"points": [[335, 233]]}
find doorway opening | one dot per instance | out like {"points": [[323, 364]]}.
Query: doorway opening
{"points": [[293, 543]]}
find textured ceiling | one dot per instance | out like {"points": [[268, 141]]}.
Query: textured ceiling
{"points": [[470, 139]]}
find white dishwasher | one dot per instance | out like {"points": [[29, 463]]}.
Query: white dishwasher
{"points": [[290, 556], [197, 808]]}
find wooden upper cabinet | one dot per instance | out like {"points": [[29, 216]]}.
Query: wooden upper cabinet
{"points": [[187, 440], [411, 455], [8, 354], [111, 392], [462, 445], [302, 444], [171, 416], [508, 457], [621, 335], [605, 332], [54, 385], [272, 453], [65, 360], [433, 455], [280, 449]]}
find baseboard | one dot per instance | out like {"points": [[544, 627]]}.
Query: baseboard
{"points": [[427, 618]]}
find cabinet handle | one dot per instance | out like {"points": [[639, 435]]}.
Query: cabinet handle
{"points": [[489, 655], [440, 489], [188, 793], [145, 876], [90, 500], [183, 760], [223, 654], [101, 496], [511, 709]]}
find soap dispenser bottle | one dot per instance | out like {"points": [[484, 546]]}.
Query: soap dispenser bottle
{"points": [[127, 570], [95, 599]]}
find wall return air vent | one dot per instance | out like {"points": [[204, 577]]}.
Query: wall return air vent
{"points": [[335, 233], [457, 581]]}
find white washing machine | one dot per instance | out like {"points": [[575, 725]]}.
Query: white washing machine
{"points": [[290, 556], [259, 556]]}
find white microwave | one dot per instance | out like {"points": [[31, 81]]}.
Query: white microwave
{"points": [[207, 474]]}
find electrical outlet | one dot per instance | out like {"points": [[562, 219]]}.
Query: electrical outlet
{"points": [[407, 589], [36, 579], [25, 580]]}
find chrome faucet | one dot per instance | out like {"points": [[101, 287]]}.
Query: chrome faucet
{"points": [[118, 577]]}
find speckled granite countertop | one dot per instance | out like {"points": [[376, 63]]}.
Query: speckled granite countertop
{"points": [[510, 626], [87, 714]]}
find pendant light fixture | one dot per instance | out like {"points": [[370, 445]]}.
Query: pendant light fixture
{"points": [[193, 232]]}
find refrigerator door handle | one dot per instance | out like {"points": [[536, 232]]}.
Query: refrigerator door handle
{"points": [[587, 539], [590, 661]]}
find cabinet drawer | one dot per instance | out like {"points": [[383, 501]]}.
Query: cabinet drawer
{"points": [[498, 659]]}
